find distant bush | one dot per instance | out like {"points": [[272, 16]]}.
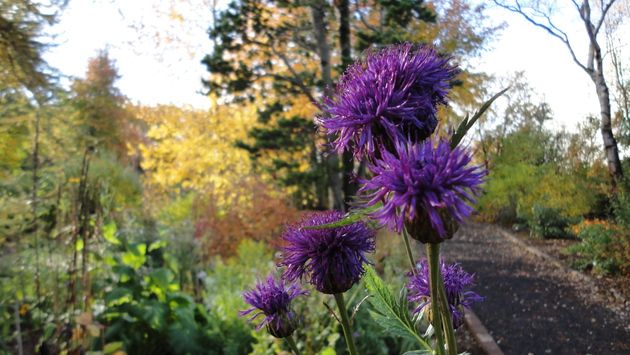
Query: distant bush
{"points": [[513, 191], [603, 247], [621, 208], [547, 222], [260, 217]]}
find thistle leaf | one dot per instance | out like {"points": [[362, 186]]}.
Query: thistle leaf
{"points": [[355, 215], [391, 314], [467, 124]]}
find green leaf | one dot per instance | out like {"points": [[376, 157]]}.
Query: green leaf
{"points": [[466, 124], [79, 245], [162, 277], [328, 351], [109, 233], [418, 352], [135, 256], [111, 348], [353, 216], [118, 296], [157, 245], [391, 314]]}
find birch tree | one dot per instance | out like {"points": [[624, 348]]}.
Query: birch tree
{"points": [[539, 14]]}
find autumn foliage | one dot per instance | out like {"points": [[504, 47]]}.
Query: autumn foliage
{"points": [[260, 217]]}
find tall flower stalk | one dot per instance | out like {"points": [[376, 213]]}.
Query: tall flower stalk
{"points": [[441, 322], [384, 110], [345, 323]]}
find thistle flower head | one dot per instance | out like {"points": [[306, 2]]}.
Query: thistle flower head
{"points": [[389, 95], [272, 299], [331, 259], [423, 182], [456, 280]]}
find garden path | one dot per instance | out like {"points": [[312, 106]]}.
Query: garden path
{"points": [[533, 306]]}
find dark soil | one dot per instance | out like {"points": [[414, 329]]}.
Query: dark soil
{"points": [[466, 342], [533, 306]]}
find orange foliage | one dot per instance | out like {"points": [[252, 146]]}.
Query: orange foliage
{"points": [[261, 218], [577, 228]]}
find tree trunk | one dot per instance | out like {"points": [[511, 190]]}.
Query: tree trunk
{"points": [[349, 184], [596, 66], [35, 197], [318, 12], [610, 143]]}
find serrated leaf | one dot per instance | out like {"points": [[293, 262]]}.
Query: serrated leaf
{"points": [[353, 216], [467, 124], [391, 314]]}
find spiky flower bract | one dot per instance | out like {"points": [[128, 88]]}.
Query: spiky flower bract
{"points": [[425, 182], [389, 95], [456, 280], [331, 259], [272, 299]]}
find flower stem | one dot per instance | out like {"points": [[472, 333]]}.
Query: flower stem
{"points": [[292, 345], [447, 318], [345, 323], [409, 253], [433, 256]]}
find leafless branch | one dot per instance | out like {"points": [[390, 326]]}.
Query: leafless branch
{"points": [[356, 308], [332, 312], [605, 9], [550, 27], [296, 80]]}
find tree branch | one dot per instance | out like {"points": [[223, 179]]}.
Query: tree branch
{"points": [[550, 28], [603, 17], [297, 81], [296, 78]]}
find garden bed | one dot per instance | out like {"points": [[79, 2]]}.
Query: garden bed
{"points": [[612, 290]]}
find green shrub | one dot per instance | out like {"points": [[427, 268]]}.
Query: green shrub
{"points": [[145, 311], [621, 208], [604, 249], [547, 222]]}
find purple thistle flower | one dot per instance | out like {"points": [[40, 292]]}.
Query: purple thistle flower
{"points": [[423, 183], [331, 259], [272, 299], [455, 281], [390, 95]]}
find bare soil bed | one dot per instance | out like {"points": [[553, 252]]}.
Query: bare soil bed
{"points": [[615, 289], [533, 304]]}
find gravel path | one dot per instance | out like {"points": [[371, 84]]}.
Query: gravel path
{"points": [[532, 306]]}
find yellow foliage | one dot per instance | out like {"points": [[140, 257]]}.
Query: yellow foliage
{"points": [[194, 150]]}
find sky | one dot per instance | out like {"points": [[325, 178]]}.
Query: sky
{"points": [[157, 69]]}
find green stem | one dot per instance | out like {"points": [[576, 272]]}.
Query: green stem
{"points": [[292, 345], [433, 257], [409, 253], [345, 323], [447, 319]]}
